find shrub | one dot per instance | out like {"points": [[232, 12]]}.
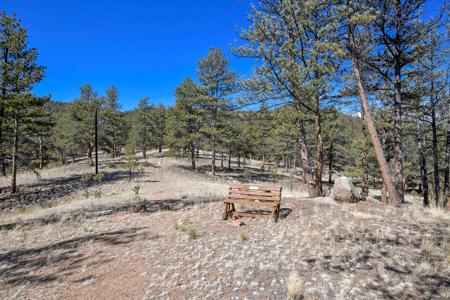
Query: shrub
{"points": [[242, 236], [191, 232], [185, 226], [136, 189], [86, 179]]}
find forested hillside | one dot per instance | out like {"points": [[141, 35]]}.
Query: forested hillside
{"points": [[338, 88]]}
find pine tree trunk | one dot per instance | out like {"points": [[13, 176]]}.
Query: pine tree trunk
{"points": [[2, 158], [447, 158], [2, 114], [423, 166], [384, 168], [63, 161], [437, 184], [319, 154], [198, 153], [365, 174], [89, 155], [14, 156], [193, 156], [286, 164], [239, 160], [159, 148], [221, 160], [114, 154], [330, 164], [229, 159], [96, 141], [144, 152], [213, 160], [398, 135], [306, 166], [41, 154]]}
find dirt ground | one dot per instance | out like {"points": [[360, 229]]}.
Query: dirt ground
{"points": [[97, 248]]}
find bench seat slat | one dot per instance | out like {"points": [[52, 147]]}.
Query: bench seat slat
{"points": [[252, 197], [251, 202], [255, 193]]}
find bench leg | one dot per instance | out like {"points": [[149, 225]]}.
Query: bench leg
{"points": [[276, 213], [225, 211]]}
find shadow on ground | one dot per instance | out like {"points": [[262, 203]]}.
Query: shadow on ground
{"points": [[55, 261], [44, 191]]}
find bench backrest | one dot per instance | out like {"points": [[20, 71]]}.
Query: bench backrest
{"points": [[256, 192]]}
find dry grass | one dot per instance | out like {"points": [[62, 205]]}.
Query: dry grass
{"points": [[426, 248], [438, 213], [422, 269], [294, 286]]}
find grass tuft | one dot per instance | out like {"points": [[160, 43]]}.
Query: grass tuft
{"points": [[426, 248], [421, 270], [186, 226], [294, 286]]}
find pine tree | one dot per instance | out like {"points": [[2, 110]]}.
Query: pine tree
{"points": [[356, 18], [158, 118], [219, 82], [185, 119], [295, 42], [398, 33], [84, 114], [113, 125], [19, 72], [143, 125]]}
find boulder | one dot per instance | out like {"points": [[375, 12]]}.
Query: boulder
{"points": [[344, 190]]}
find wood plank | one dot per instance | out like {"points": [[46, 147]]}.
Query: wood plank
{"points": [[252, 193], [252, 203], [252, 214], [259, 186], [251, 197]]}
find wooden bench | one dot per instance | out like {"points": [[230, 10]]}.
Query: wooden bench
{"points": [[266, 196]]}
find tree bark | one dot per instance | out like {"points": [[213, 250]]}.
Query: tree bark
{"points": [[192, 155], [96, 141], [221, 160], [423, 166], [114, 154], [437, 185], [319, 154], [2, 113], [14, 155], [89, 155], [330, 163], [213, 161], [447, 158], [239, 160], [398, 134], [229, 159], [306, 166], [41, 153], [144, 152], [365, 174], [384, 168]]}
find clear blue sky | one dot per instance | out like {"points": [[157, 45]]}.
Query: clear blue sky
{"points": [[144, 48]]}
